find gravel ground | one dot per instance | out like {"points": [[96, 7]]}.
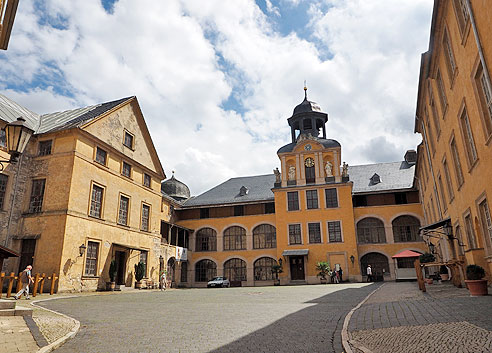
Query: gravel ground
{"points": [[51, 325]]}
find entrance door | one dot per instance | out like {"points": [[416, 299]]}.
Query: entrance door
{"points": [[27, 253], [120, 258], [296, 268]]}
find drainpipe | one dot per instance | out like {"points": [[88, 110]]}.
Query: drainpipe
{"points": [[479, 44]]}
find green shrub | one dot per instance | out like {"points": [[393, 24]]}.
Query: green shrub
{"points": [[474, 272], [139, 271], [323, 269], [112, 270]]}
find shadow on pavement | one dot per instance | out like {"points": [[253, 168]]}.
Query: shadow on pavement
{"points": [[313, 329]]}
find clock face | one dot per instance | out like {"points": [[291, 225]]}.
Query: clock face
{"points": [[309, 162], [308, 147]]}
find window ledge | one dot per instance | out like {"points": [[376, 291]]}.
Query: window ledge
{"points": [[473, 165], [90, 277]]}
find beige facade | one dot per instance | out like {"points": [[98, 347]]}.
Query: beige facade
{"points": [[454, 116]]}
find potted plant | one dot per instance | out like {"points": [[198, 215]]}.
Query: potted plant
{"points": [[475, 282], [276, 269], [443, 272], [112, 275], [323, 269], [139, 274]]}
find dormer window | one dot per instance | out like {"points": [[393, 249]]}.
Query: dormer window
{"points": [[375, 179], [243, 191]]}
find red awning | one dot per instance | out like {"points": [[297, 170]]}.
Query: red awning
{"points": [[407, 253]]}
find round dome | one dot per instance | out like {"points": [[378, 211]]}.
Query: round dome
{"points": [[307, 107], [176, 189]]}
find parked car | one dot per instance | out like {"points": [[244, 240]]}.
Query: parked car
{"points": [[219, 282]]}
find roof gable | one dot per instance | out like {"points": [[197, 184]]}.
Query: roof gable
{"points": [[111, 126]]}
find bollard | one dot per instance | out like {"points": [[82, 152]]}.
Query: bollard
{"points": [[41, 286], [36, 281], [2, 276], [52, 289], [11, 283]]}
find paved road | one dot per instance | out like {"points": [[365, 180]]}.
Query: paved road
{"points": [[258, 319], [399, 318]]}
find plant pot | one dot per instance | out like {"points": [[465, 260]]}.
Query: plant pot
{"points": [[110, 286], [323, 280], [277, 282], [138, 285], [477, 287], [429, 280], [444, 277]]}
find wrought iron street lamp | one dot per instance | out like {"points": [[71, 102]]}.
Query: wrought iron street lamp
{"points": [[17, 135], [82, 249]]}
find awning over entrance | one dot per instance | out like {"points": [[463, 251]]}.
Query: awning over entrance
{"points": [[406, 253], [131, 247], [438, 224], [296, 252], [6, 252]]}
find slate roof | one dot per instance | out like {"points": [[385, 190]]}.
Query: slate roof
{"points": [[393, 175], [10, 111], [75, 117], [259, 189], [327, 143]]}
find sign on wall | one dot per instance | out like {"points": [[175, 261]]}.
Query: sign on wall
{"points": [[181, 254]]}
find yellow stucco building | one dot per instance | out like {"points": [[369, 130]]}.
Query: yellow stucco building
{"points": [[454, 116], [86, 191], [311, 209]]}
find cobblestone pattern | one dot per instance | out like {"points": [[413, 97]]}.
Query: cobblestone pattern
{"points": [[266, 319], [51, 325], [454, 337], [15, 335], [378, 313]]}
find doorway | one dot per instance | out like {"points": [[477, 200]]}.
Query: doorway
{"points": [[120, 258], [27, 253], [297, 268]]}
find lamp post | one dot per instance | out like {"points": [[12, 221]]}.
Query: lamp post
{"points": [[17, 135]]}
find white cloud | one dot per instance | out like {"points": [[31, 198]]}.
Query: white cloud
{"points": [[182, 59]]}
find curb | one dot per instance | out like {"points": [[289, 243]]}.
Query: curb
{"points": [[345, 335], [65, 338]]}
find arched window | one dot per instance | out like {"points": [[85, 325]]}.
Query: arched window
{"points": [[206, 240], [235, 270], [263, 269], [406, 228], [235, 238], [370, 230], [264, 237], [205, 270], [379, 265]]}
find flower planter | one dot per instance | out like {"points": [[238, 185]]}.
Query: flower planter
{"points": [[138, 285], [277, 282], [323, 280], [477, 287], [444, 277], [110, 286]]}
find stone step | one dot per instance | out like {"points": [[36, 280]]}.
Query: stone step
{"points": [[23, 311], [7, 312], [7, 304]]}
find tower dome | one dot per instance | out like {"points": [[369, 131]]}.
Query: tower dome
{"points": [[307, 119], [175, 189]]}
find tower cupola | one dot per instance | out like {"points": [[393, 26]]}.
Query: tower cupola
{"points": [[307, 119]]}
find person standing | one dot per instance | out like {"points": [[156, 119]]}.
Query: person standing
{"points": [[163, 280], [369, 273], [26, 279], [340, 273]]}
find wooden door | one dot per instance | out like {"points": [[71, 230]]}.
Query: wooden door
{"points": [[297, 268], [120, 257]]}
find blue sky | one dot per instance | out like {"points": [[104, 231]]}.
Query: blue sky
{"points": [[217, 80]]}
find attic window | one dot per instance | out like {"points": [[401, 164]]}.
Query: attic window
{"points": [[243, 191], [375, 179]]}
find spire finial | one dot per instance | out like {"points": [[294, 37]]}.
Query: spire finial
{"points": [[173, 173], [305, 90]]}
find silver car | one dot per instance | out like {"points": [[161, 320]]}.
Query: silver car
{"points": [[218, 282]]}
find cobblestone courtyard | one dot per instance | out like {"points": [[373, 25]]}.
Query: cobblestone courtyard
{"points": [[250, 319]]}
